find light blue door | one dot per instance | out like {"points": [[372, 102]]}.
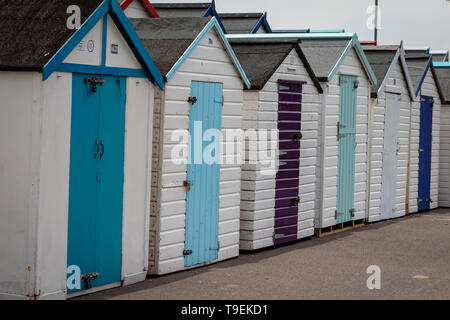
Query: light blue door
{"points": [[203, 173], [96, 178], [346, 150]]}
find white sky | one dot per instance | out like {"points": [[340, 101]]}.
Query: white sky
{"points": [[420, 23]]}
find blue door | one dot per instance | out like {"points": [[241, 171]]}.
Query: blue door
{"points": [[426, 122], [203, 173], [96, 178], [346, 136]]}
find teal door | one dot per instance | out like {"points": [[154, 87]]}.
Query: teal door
{"points": [[96, 178], [346, 150], [203, 173]]}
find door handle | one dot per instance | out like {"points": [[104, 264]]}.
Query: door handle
{"points": [[298, 137], [103, 150], [98, 149]]}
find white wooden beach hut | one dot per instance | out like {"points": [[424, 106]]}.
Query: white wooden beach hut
{"points": [[389, 121], [423, 169], [195, 203], [76, 125], [279, 189]]}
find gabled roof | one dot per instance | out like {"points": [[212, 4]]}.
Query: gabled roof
{"points": [[170, 10], [34, 34], [325, 52], [168, 38], [419, 63], [440, 56], [237, 23], [145, 3], [33, 31], [383, 59], [261, 58], [443, 75], [171, 40], [205, 9]]}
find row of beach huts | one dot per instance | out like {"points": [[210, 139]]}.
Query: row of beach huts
{"points": [[95, 192]]}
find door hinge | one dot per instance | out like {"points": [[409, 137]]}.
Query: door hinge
{"points": [[88, 277], [295, 202], [192, 100], [94, 82], [352, 212], [429, 200], [187, 252], [276, 236], [187, 185], [356, 84], [337, 214], [339, 127]]}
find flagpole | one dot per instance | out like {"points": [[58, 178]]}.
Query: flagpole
{"points": [[376, 22]]}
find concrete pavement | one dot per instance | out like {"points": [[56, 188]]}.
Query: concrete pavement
{"points": [[412, 252]]}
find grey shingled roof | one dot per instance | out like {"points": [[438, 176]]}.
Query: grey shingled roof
{"points": [[323, 54], [261, 58], [439, 57], [167, 10], [417, 62], [166, 39], [240, 23], [32, 31], [443, 75], [380, 60]]}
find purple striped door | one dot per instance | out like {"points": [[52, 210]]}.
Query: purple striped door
{"points": [[287, 179]]}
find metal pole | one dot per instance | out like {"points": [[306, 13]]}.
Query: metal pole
{"points": [[376, 21]]}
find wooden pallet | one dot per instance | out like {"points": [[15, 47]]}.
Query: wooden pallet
{"points": [[341, 227]]}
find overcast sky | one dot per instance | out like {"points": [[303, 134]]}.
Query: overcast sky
{"points": [[420, 23]]}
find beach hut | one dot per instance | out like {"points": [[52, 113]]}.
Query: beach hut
{"points": [[76, 121], [341, 66], [278, 201], [242, 23], [389, 120], [440, 56], [138, 9], [195, 200], [443, 75], [423, 169]]}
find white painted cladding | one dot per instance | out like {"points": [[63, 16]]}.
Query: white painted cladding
{"points": [[258, 191], [34, 175], [327, 166], [208, 62], [395, 83], [444, 157], [428, 89]]}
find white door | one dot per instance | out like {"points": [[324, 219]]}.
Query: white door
{"points": [[390, 152]]}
